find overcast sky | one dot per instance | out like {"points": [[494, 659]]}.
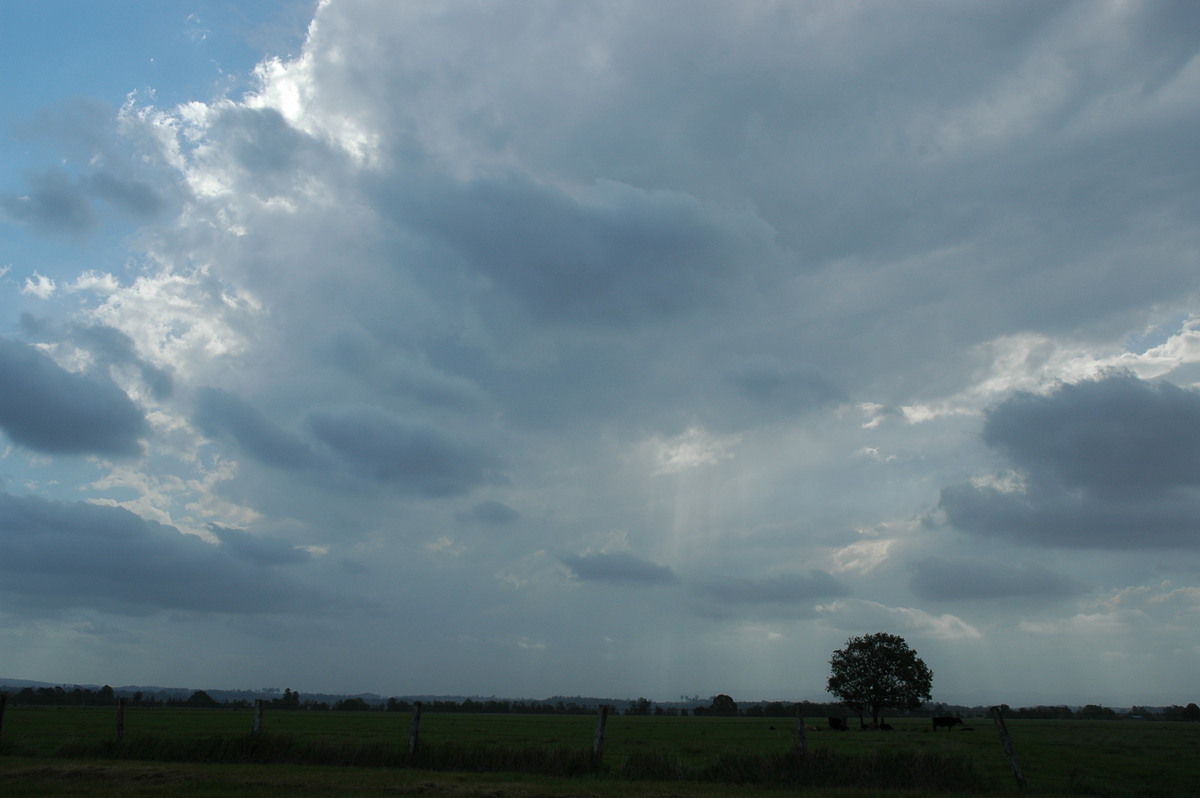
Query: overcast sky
{"points": [[601, 348]]}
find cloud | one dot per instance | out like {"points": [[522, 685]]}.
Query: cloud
{"points": [[785, 388], [414, 459], [135, 197], [53, 203], [938, 579], [58, 554], [48, 409], [619, 568], [494, 513], [258, 550], [859, 616], [784, 588], [221, 414], [605, 253], [1114, 434], [110, 346], [1108, 463]]}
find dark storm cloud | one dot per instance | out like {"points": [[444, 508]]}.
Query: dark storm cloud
{"points": [[223, 415], [53, 203], [620, 567], [46, 408], [605, 254], [411, 458], [55, 554], [1112, 462], [938, 579], [788, 588]]}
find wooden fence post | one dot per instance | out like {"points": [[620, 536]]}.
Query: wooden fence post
{"points": [[414, 733], [801, 740], [598, 737], [3, 702], [1008, 749], [258, 717], [120, 720]]}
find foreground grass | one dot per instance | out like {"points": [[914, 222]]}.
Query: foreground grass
{"points": [[471, 755]]}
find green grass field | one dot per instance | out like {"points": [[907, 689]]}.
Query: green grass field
{"points": [[1104, 758]]}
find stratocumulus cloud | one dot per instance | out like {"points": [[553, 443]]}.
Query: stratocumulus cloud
{"points": [[57, 554], [1108, 463], [618, 567], [412, 458], [49, 409], [939, 579]]}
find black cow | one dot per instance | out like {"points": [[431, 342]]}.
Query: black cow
{"points": [[947, 721], [837, 724]]}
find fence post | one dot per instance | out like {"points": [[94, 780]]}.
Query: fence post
{"points": [[120, 720], [3, 702], [801, 740], [1008, 749], [414, 733], [258, 717], [598, 737]]}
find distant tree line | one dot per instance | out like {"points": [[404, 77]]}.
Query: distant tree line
{"points": [[720, 706]]}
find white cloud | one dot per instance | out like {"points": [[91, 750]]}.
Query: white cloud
{"points": [[859, 615], [39, 285], [693, 448]]}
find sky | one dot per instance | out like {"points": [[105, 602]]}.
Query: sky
{"points": [[601, 348]]}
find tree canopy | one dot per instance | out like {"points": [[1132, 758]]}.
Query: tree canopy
{"points": [[877, 672]]}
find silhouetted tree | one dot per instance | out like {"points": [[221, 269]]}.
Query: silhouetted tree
{"points": [[201, 699], [877, 672], [723, 705]]}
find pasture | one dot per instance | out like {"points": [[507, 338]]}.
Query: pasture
{"points": [[70, 752]]}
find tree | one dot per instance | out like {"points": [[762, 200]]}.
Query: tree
{"points": [[201, 699], [723, 705], [877, 672]]}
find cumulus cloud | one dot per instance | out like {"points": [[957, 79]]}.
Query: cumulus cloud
{"points": [[1112, 463], [938, 579], [618, 567], [49, 409], [59, 554]]}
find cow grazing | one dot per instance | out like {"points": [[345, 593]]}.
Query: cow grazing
{"points": [[838, 724], [948, 722], [885, 727]]}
